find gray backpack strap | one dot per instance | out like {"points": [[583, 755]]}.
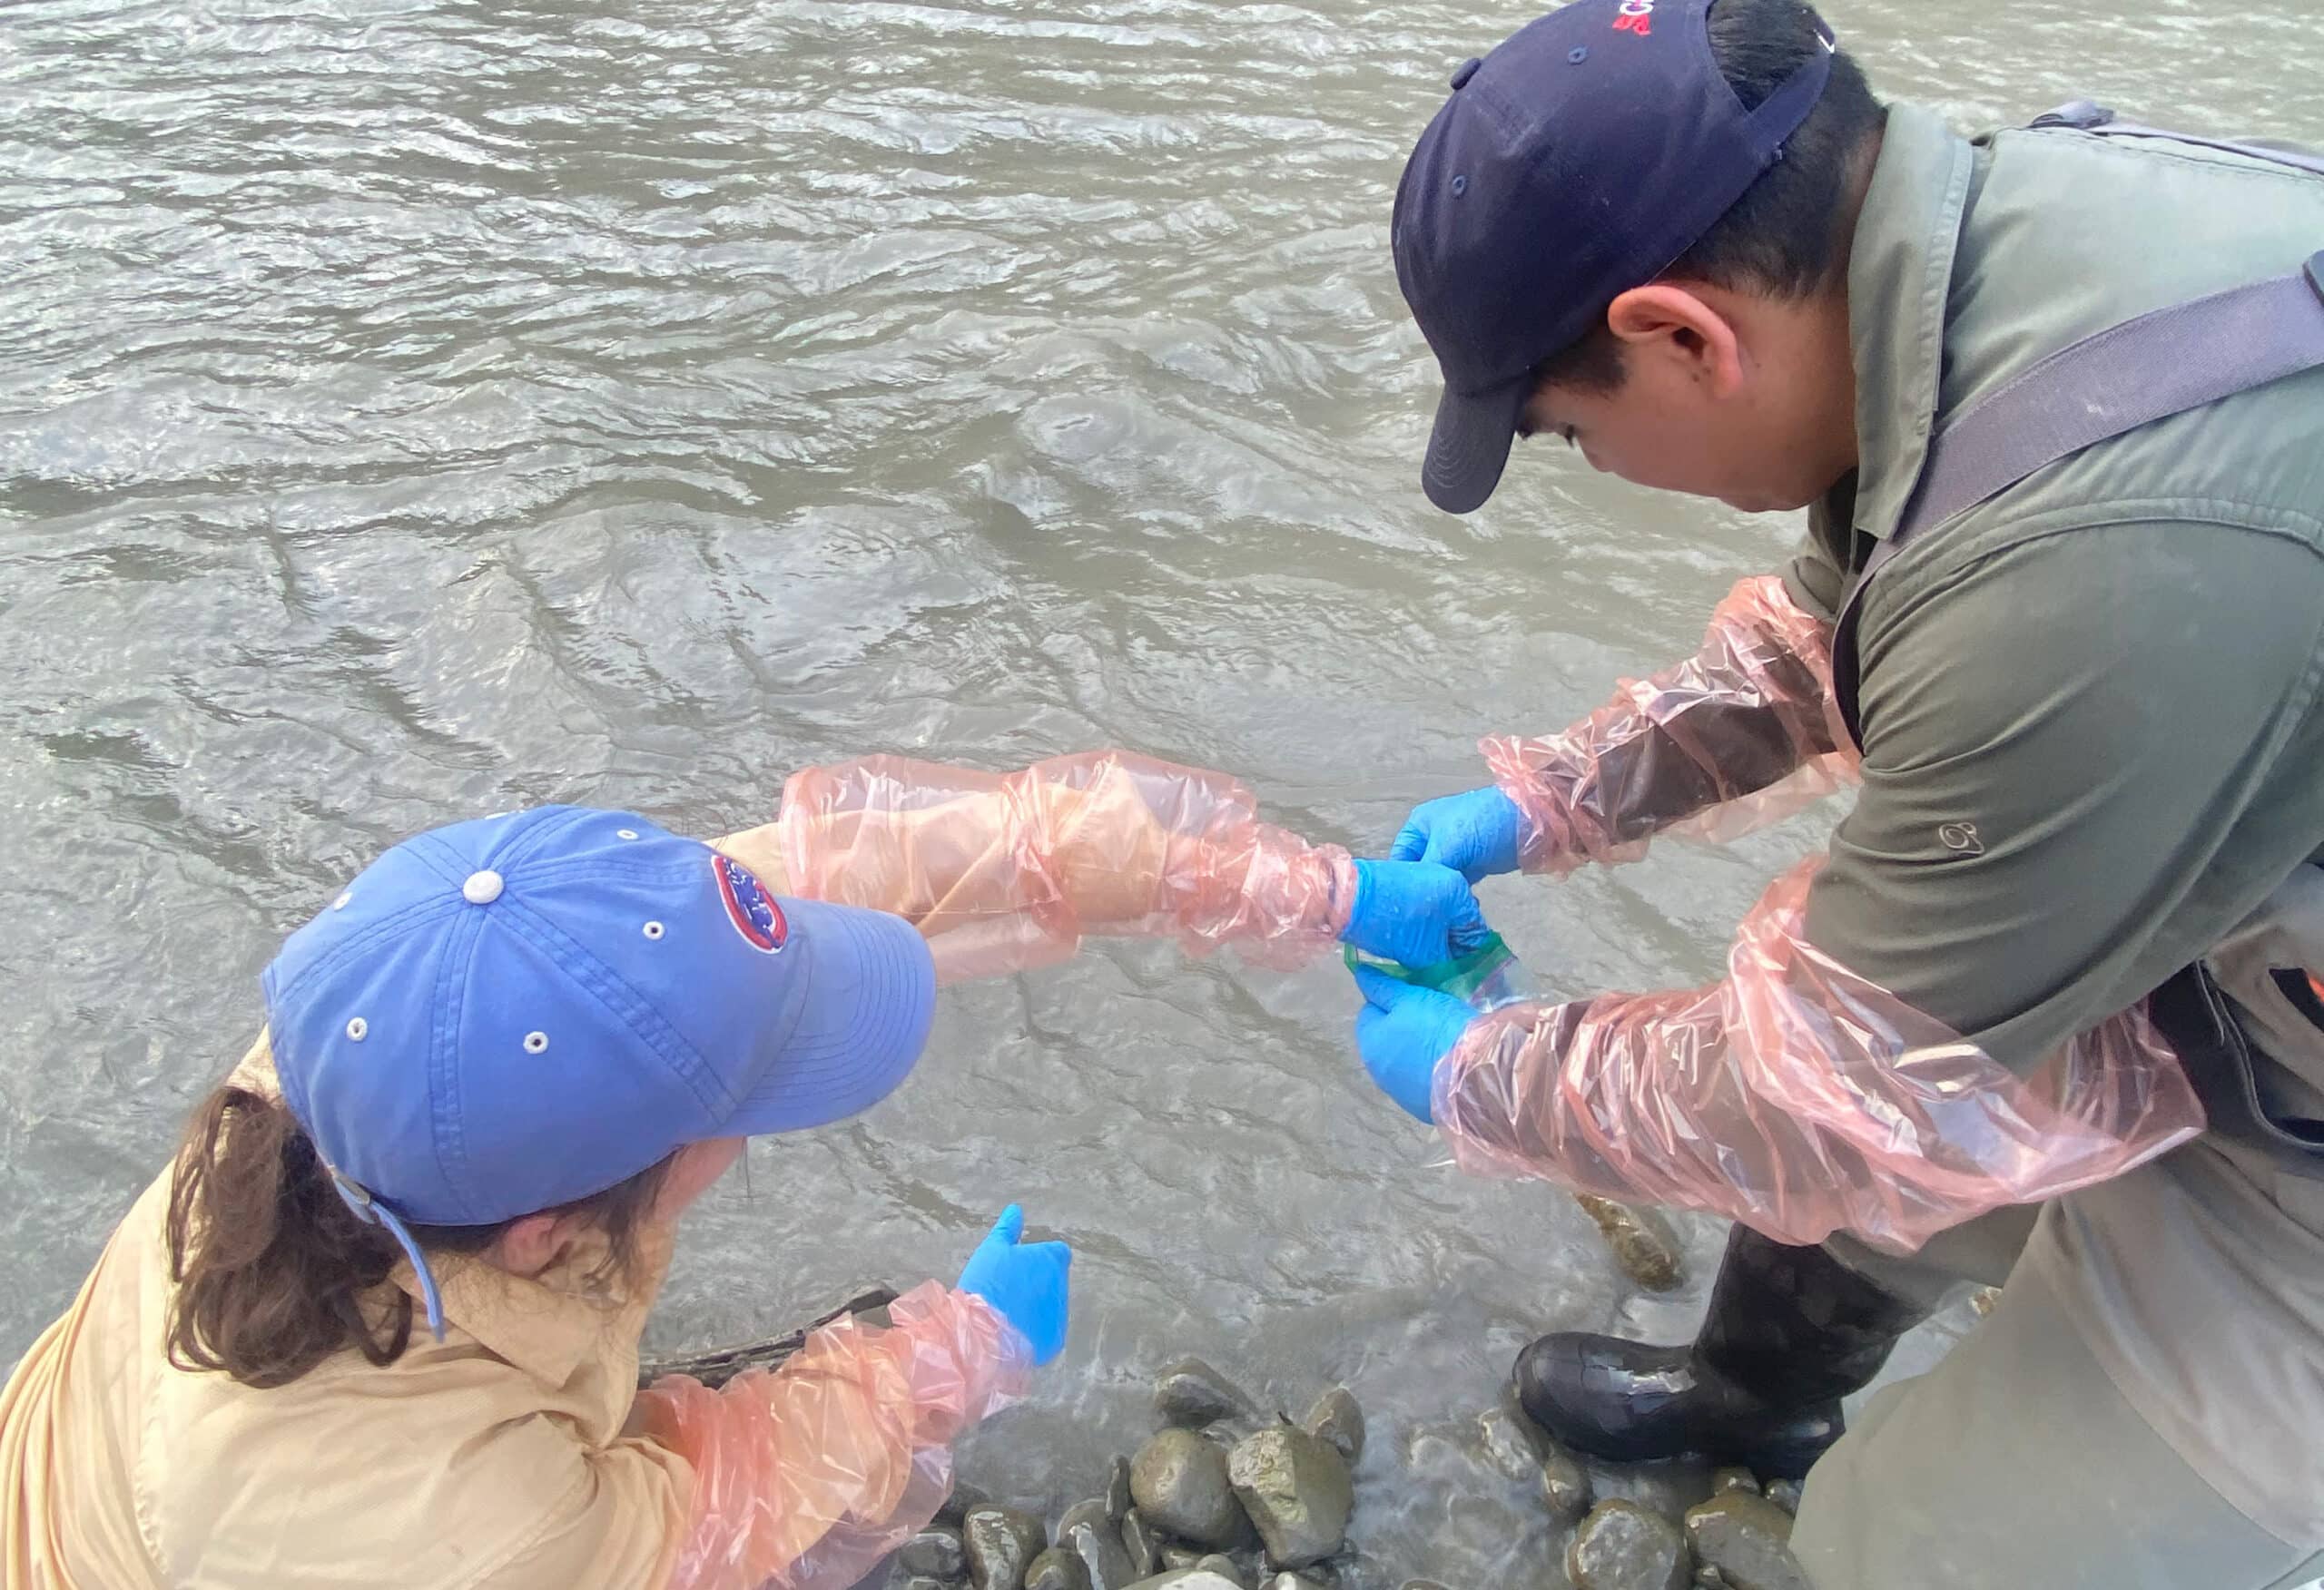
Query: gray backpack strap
{"points": [[2149, 367]]}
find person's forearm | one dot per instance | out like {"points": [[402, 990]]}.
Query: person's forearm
{"points": [[806, 1477], [1742, 733], [1800, 1099], [1003, 872]]}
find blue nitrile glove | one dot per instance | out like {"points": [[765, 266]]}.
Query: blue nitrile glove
{"points": [[1414, 913], [1402, 1032], [1475, 834], [1025, 1282]]}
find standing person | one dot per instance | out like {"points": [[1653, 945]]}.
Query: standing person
{"points": [[2071, 916], [378, 1324]]}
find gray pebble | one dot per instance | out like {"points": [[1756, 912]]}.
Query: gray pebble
{"points": [[1338, 1418], [1118, 1496], [1226, 1567], [1292, 1582], [1507, 1445], [1622, 1547], [1090, 1536], [1643, 1244], [917, 1583], [1177, 1559], [1189, 1579], [1783, 1493], [1190, 1394], [1565, 1486], [1138, 1540], [1734, 1479], [1747, 1538], [936, 1553], [1423, 1584], [1709, 1579], [1179, 1482], [1001, 1544], [957, 1505], [1296, 1489], [1056, 1569]]}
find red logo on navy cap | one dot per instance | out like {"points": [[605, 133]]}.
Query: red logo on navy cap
{"points": [[1636, 16], [749, 906]]}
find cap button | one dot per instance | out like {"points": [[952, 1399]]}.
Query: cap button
{"points": [[1465, 71], [481, 888]]}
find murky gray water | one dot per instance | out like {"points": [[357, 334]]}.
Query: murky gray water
{"points": [[411, 410]]}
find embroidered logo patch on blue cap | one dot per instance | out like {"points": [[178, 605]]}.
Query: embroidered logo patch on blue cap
{"points": [[749, 906]]}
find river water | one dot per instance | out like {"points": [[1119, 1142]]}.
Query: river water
{"points": [[409, 408]]}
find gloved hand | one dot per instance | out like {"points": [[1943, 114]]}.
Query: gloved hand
{"points": [[1402, 1032], [1475, 834], [1025, 1282], [1414, 913]]}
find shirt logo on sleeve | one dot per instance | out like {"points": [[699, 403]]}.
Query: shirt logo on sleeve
{"points": [[1960, 838]]}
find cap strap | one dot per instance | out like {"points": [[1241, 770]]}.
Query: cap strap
{"points": [[372, 1211], [1778, 116]]}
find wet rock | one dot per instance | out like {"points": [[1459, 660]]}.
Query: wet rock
{"points": [[1984, 1299], [1507, 1444], [1783, 1493], [1118, 1496], [1090, 1536], [1056, 1569], [936, 1553], [1642, 1241], [1001, 1544], [1190, 1394], [1296, 1489], [1747, 1538], [1179, 1482], [1139, 1540], [917, 1583], [1734, 1479], [1177, 1559], [1189, 1579], [1622, 1547], [1565, 1486], [1709, 1579], [1226, 1567], [1292, 1582], [964, 1500], [1338, 1418], [1423, 1584]]}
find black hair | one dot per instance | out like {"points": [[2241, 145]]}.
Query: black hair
{"points": [[1788, 235]]}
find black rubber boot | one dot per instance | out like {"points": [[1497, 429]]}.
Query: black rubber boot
{"points": [[1790, 1331]]}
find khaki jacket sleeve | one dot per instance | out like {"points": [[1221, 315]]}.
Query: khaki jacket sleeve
{"points": [[616, 1523]]}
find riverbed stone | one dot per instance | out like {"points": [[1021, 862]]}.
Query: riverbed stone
{"points": [[1747, 1538], [1056, 1569], [1296, 1489], [1118, 1496], [1180, 1481], [1001, 1544], [1189, 1579], [1338, 1418], [937, 1552], [922, 1582], [1225, 1566], [1710, 1578], [1292, 1582], [1189, 1394], [1734, 1479], [1177, 1559], [1507, 1445], [964, 1500], [1642, 1241], [1785, 1494], [1139, 1540], [1090, 1536], [1565, 1485], [1623, 1546]]}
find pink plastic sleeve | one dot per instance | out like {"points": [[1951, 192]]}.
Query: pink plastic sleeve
{"points": [[805, 1478], [1802, 1100], [1005, 872], [1743, 734]]}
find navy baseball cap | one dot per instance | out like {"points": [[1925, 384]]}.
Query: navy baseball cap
{"points": [[1581, 159], [505, 1016]]}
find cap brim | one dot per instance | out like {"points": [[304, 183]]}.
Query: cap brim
{"points": [[871, 993], [1470, 446]]}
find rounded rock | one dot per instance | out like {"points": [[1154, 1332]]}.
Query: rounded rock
{"points": [[1785, 1494], [964, 1500], [1621, 1545], [1295, 1487], [935, 1553], [1139, 1540], [1093, 1540], [1338, 1418], [1734, 1479], [1225, 1566], [1642, 1241], [1001, 1544], [1191, 1579], [1190, 1394], [1292, 1582], [1180, 1481], [1056, 1569], [1565, 1486], [1747, 1538], [1507, 1444], [1118, 1496]]}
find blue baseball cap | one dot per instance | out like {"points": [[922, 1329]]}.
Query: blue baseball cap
{"points": [[506, 1016], [1581, 159]]}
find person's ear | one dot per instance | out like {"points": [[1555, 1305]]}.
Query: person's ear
{"points": [[534, 1243], [1672, 324]]}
